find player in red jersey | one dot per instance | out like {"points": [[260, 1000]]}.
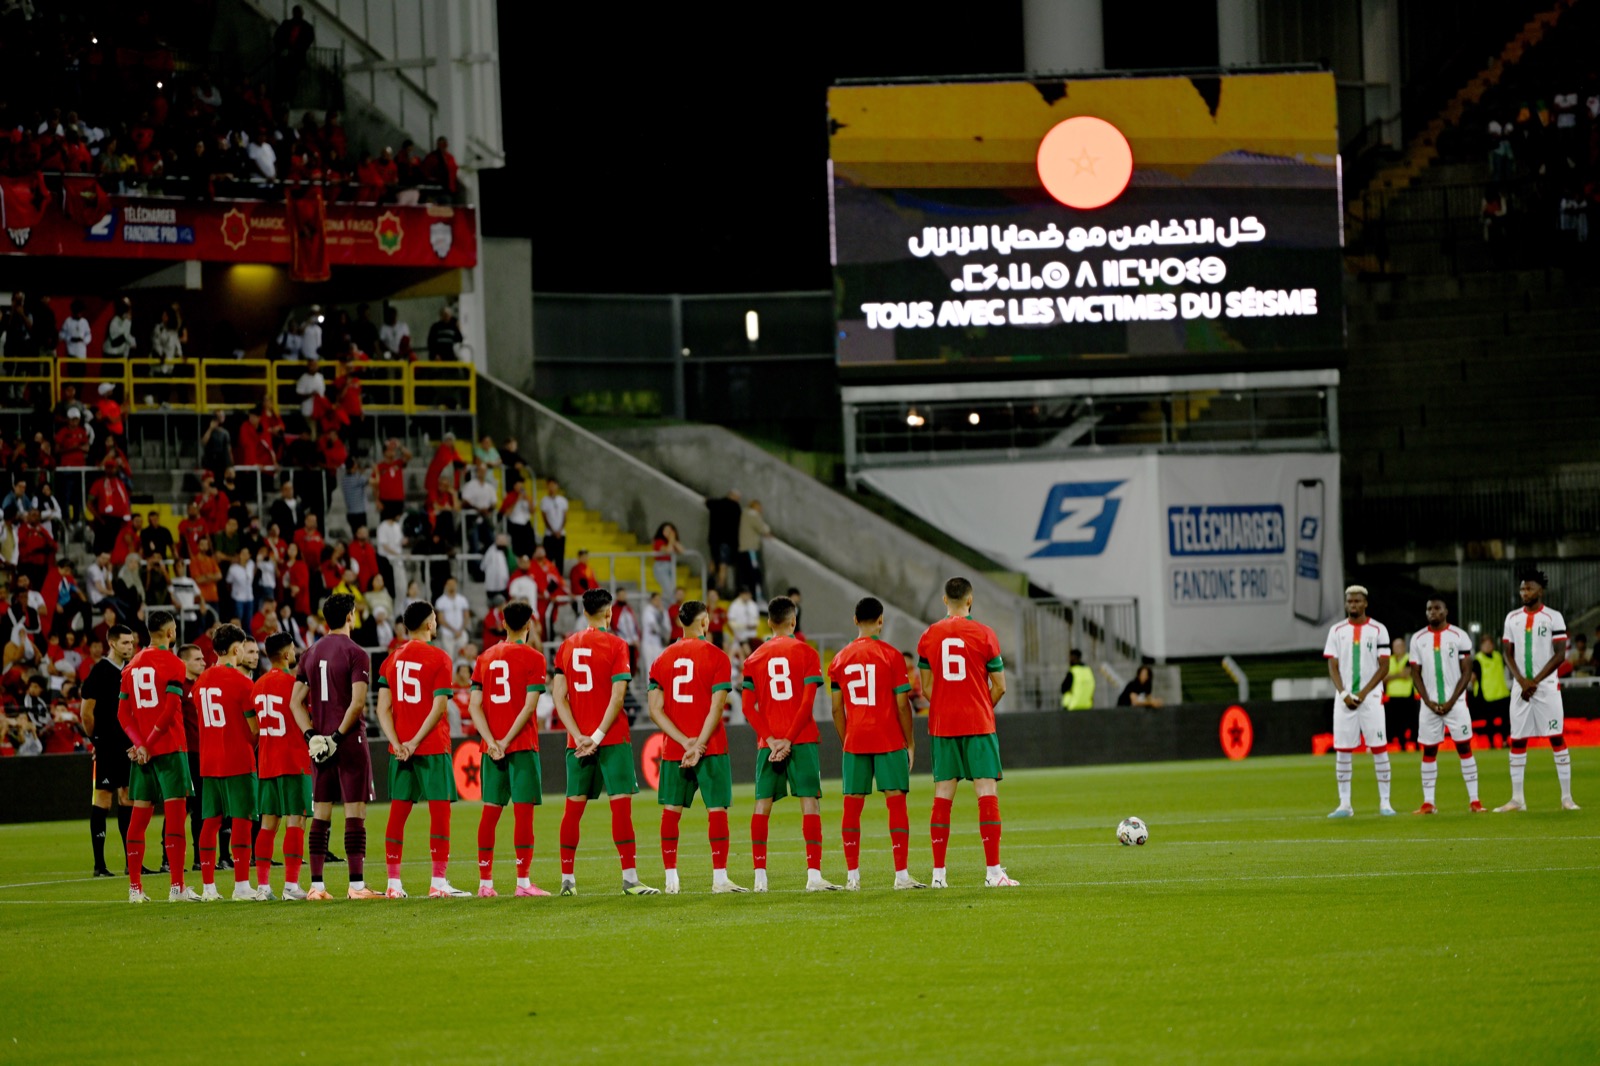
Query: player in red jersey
{"points": [[283, 770], [228, 730], [329, 702], [781, 679], [964, 676], [150, 711], [689, 686], [591, 678], [506, 682], [872, 712], [412, 694]]}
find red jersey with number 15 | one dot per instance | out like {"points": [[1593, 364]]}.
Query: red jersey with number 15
{"points": [[281, 749], [508, 674], [961, 654], [592, 660], [152, 694], [222, 694], [870, 675], [416, 675], [777, 676], [687, 674]]}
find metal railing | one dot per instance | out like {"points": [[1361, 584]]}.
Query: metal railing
{"points": [[1106, 631], [1381, 515], [1487, 592]]}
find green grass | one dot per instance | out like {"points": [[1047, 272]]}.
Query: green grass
{"points": [[1250, 929]]}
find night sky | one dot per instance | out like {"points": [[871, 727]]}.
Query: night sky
{"points": [[667, 153]]}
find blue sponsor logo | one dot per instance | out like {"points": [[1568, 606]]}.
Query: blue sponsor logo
{"points": [[1307, 565], [104, 229], [1229, 529], [1077, 519], [1308, 527]]}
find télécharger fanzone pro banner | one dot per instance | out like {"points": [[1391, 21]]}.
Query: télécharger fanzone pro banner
{"points": [[1049, 220]]}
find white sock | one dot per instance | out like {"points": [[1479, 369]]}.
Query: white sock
{"points": [[1430, 778], [853, 877], [485, 883], [761, 878], [440, 882], [813, 875], [524, 882], [994, 871], [355, 886], [1519, 767], [630, 876], [1380, 766], [938, 873], [317, 886], [899, 875], [1469, 774], [394, 883], [1564, 772], [569, 879], [1343, 770], [719, 877], [672, 879]]}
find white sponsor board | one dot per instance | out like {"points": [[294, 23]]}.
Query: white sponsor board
{"points": [[1225, 554]]}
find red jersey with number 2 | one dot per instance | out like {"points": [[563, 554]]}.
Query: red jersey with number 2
{"points": [[961, 654], [687, 674]]}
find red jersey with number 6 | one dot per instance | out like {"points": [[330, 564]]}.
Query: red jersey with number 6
{"points": [[687, 674], [416, 675], [778, 677], [222, 695], [592, 660], [508, 674], [281, 749], [961, 654]]}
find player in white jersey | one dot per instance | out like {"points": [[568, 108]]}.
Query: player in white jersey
{"points": [[1439, 656], [1535, 640], [1358, 664]]}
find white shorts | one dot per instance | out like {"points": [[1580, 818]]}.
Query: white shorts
{"points": [[1366, 722], [1541, 716], [1432, 728]]}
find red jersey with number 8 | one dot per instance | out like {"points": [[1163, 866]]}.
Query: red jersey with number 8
{"points": [[687, 674], [281, 750], [506, 674], [778, 676], [961, 654], [222, 696], [416, 675], [592, 660]]}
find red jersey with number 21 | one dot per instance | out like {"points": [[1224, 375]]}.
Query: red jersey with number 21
{"points": [[687, 674], [870, 675], [961, 653], [416, 675], [507, 674]]}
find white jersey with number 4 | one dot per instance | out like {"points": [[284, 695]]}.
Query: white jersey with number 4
{"points": [[1356, 649], [1438, 655], [1532, 636]]}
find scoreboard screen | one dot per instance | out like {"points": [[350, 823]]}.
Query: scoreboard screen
{"points": [[1048, 221]]}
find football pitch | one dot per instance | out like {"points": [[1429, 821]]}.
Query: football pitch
{"points": [[1249, 929]]}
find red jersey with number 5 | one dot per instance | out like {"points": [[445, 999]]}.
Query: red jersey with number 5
{"points": [[416, 675], [508, 674], [281, 749], [687, 673], [222, 696], [592, 660], [961, 654], [778, 676], [870, 674]]}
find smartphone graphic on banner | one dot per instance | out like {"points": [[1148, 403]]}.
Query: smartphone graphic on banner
{"points": [[1308, 550]]}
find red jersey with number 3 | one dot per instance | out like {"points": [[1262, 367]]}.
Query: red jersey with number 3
{"points": [[281, 749], [507, 674], [961, 654], [416, 675], [778, 676], [687, 673], [152, 694], [870, 674], [222, 695], [592, 660]]}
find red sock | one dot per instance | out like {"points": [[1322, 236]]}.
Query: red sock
{"points": [[240, 847], [210, 829], [758, 840], [989, 828], [811, 833], [175, 837], [138, 822], [939, 830], [486, 830], [522, 836], [264, 844], [394, 837], [899, 830], [851, 831], [571, 821], [622, 830], [669, 837], [717, 834], [439, 835], [294, 853]]}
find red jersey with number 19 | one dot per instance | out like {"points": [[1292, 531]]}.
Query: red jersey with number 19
{"points": [[281, 749], [151, 695], [222, 695], [870, 675], [778, 676], [416, 675], [687, 673], [507, 674], [961, 654]]}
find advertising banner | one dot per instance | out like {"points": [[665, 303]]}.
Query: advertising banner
{"points": [[1225, 554]]}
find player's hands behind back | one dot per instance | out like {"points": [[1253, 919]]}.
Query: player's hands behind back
{"points": [[322, 747]]}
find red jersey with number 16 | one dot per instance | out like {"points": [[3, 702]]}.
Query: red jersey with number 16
{"points": [[687, 673], [222, 694], [592, 660], [778, 676], [870, 674], [281, 749], [416, 675], [961, 654], [507, 674]]}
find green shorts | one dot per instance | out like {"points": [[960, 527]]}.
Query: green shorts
{"points": [[611, 765], [422, 777], [228, 797], [513, 779], [287, 795], [164, 777], [966, 758], [798, 775], [711, 777], [890, 769]]}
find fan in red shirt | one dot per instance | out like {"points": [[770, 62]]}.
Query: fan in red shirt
{"points": [[310, 541], [445, 457], [254, 447], [72, 441], [391, 478], [127, 542], [109, 505], [213, 505], [297, 582], [506, 682], [580, 578], [964, 676], [364, 555], [149, 709], [191, 531], [334, 453], [228, 728], [36, 548]]}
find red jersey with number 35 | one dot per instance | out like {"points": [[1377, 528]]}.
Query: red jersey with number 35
{"points": [[507, 674], [687, 673], [870, 674], [152, 694], [416, 675], [778, 676], [592, 660], [281, 749], [222, 695], [961, 654]]}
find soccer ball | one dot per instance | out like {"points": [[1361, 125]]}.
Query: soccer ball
{"points": [[1132, 831]]}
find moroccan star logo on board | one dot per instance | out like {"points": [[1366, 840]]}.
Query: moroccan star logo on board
{"points": [[235, 228], [388, 232]]}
